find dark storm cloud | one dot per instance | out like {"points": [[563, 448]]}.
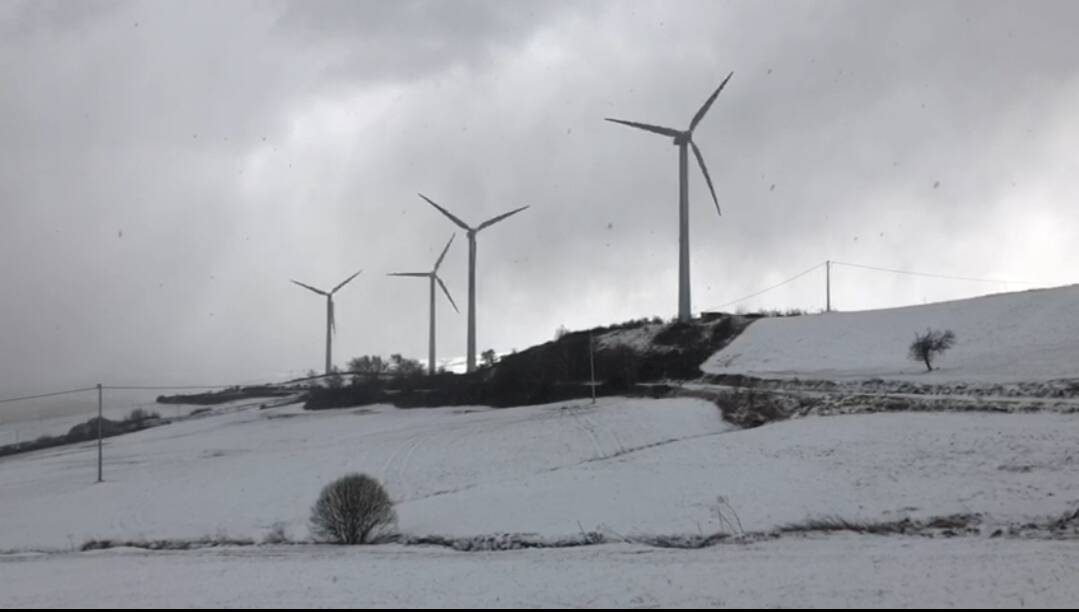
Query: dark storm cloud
{"points": [[165, 168]]}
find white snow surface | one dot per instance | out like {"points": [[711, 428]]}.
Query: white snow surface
{"points": [[1003, 338], [638, 338], [624, 467], [840, 572], [631, 466]]}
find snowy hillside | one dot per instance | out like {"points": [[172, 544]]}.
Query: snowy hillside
{"points": [[627, 467], [1011, 337], [632, 466]]}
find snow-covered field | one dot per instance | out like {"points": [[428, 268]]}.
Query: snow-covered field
{"points": [[1011, 337], [627, 467], [825, 573]]}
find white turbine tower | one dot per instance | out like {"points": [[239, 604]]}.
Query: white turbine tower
{"points": [[433, 276], [471, 232], [684, 140], [331, 324]]}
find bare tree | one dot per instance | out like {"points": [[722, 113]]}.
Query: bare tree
{"points": [[926, 347], [404, 367], [351, 509], [367, 368], [489, 358], [368, 364]]}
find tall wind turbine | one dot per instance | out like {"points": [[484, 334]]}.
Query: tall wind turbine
{"points": [[433, 276], [331, 324], [472, 231], [683, 140]]}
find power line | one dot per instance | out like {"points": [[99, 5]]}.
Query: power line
{"points": [[776, 286], [943, 276], [173, 388], [112, 388], [43, 395]]}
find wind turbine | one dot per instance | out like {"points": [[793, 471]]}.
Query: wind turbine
{"points": [[472, 231], [331, 325], [433, 276], [683, 140]]}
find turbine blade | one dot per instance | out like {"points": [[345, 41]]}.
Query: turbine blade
{"points": [[447, 292], [462, 224], [708, 103], [333, 319], [346, 281], [310, 288], [490, 222], [649, 128], [423, 274], [707, 177], [444, 251]]}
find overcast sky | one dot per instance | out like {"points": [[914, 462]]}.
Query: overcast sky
{"points": [[167, 167]]}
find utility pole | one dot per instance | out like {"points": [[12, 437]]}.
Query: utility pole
{"points": [[592, 363], [828, 285], [100, 419]]}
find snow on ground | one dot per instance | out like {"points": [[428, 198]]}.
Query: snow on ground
{"points": [[638, 338], [629, 466], [1010, 337], [825, 573], [243, 472]]}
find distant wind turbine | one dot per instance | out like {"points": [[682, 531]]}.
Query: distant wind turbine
{"points": [[684, 140], [433, 276], [471, 232], [331, 324]]}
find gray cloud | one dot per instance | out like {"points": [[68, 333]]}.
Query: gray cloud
{"points": [[166, 168]]}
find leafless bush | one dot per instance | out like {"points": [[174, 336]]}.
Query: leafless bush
{"points": [[729, 521], [351, 509], [929, 345], [277, 534]]}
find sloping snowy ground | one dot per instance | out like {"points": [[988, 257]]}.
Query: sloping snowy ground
{"points": [[845, 572], [637, 338], [627, 466], [1010, 337]]}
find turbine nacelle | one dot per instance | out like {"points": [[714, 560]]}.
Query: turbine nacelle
{"points": [[685, 138], [471, 232], [331, 318], [433, 274]]}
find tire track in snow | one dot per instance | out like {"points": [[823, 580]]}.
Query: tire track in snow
{"points": [[617, 455]]}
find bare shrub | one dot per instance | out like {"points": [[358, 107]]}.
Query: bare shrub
{"points": [[277, 534], [729, 521], [351, 509], [926, 347]]}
